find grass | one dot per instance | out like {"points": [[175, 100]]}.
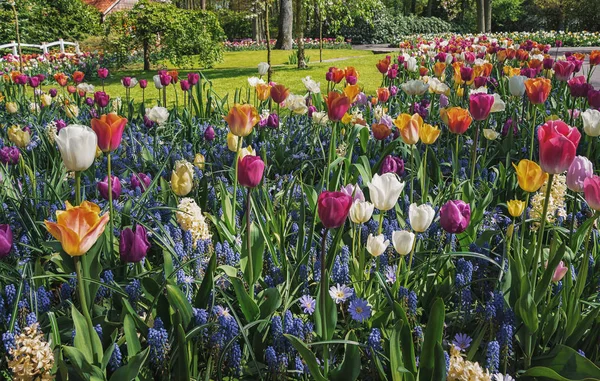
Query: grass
{"points": [[236, 67]]}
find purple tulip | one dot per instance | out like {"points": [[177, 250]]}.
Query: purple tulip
{"points": [[102, 73], [116, 187], [455, 216], [126, 81], [133, 247], [140, 180], [101, 98], [273, 121], [353, 191], [60, 124], [480, 81], [509, 122], [165, 79], [466, 73], [147, 122], [143, 83], [209, 133], [89, 101], [193, 78], [329, 76], [443, 101], [185, 84], [579, 170], [34, 81], [53, 93], [311, 110], [392, 164], [6, 240], [351, 80], [9, 155], [40, 77], [548, 62], [21, 79]]}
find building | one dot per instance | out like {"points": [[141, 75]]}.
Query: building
{"points": [[106, 7]]}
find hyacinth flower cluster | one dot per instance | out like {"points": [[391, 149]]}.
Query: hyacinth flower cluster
{"points": [[450, 216]]}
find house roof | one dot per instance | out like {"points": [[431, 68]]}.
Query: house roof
{"points": [[102, 5]]}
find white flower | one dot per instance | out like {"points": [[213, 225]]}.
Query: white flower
{"points": [[77, 145], [376, 245], [361, 211], [157, 114], [85, 87], [502, 377], [190, 218], [320, 118], [490, 134], [411, 64], [297, 104], [499, 104], [420, 217], [157, 83], [403, 241], [591, 122], [385, 190], [253, 81], [438, 87], [311, 85], [415, 87], [34, 108], [378, 112], [479, 90], [263, 68], [516, 85], [340, 293], [115, 104]]}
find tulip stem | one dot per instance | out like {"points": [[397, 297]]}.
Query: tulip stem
{"points": [[572, 227], [110, 203], [538, 254], [77, 188], [235, 182], [83, 302], [380, 222], [533, 132], [474, 154], [410, 260], [323, 302], [249, 245], [524, 223], [424, 177], [456, 161]]}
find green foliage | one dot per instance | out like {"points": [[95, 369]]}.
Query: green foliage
{"points": [[48, 20], [236, 25], [506, 13]]}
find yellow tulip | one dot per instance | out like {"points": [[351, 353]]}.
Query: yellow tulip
{"points": [[530, 175], [515, 207], [247, 151], [19, 137], [429, 133], [182, 179], [232, 142], [199, 161], [409, 127], [11, 107], [78, 227]]}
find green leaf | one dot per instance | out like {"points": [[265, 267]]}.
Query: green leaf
{"points": [[349, 369], [433, 337], [270, 301], [248, 306], [90, 347], [133, 367], [181, 369], [257, 249], [81, 365], [330, 314], [308, 357], [569, 364], [133, 343], [406, 341], [203, 295], [364, 138], [180, 303], [396, 361]]}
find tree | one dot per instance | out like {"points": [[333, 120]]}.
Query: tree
{"points": [[488, 15], [286, 20], [300, 34], [480, 16]]}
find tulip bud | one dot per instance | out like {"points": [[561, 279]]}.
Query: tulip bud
{"points": [[516, 85], [263, 68], [376, 245], [53, 92], [182, 178], [232, 142], [209, 133], [140, 180], [591, 191], [185, 85], [199, 161], [102, 73], [516, 207], [133, 247], [455, 216], [109, 129], [101, 98], [6, 240], [116, 187], [420, 217], [250, 171], [77, 146], [193, 78], [143, 83], [11, 107], [559, 273], [353, 191], [361, 211], [403, 241]]}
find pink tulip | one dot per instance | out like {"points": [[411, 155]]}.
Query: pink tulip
{"points": [[559, 272], [591, 191], [480, 105], [579, 170], [558, 145]]}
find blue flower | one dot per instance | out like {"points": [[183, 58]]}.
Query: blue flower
{"points": [[462, 341], [308, 304], [359, 310], [340, 293]]}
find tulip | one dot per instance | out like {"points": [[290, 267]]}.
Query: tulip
{"points": [[273, 121], [530, 175], [420, 217], [516, 207], [129, 82], [383, 94], [559, 272], [353, 191], [516, 85], [250, 171], [184, 84], [157, 82], [11, 107], [199, 161], [403, 241], [538, 89], [466, 74], [361, 211], [384, 190], [71, 89], [591, 192], [438, 87], [78, 227], [9, 155], [242, 119], [409, 127], [380, 131], [166, 79], [140, 180], [46, 100], [34, 82], [499, 104], [490, 134], [157, 114], [232, 142], [77, 146], [595, 58], [263, 91], [53, 92], [333, 208], [593, 97], [458, 120], [383, 65], [6, 240], [578, 87], [429, 134], [480, 105], [392, 164], [61, 79], [102, 73], [116, 187], [563, 70], [109, 129], [558, 146], [376, 245], [143, 83], [580, 169], [20, 137], [415, 87], [263, 68], [101, 98], [591, 122], [193, 78], [279, 93], [182, 178], [133, 246], [337, 105], [548, 63], [455, 216], [351, 91], [209, 133]]}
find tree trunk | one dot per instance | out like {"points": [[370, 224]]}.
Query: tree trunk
{"points": [[146, 56], [286, 20], [488, 15], [300, 34], [203, 4], [268, 34], [429, 7], [480, 16], [413, 7]]}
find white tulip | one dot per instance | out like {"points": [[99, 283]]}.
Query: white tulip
{"points": [[411, 64], [415, 87], [311, 85], [516, 85], [385, 190], [420, 217], [296, 104], [320, 118], [438, 87], [361, 211], [157, 114], [85, 87], [499, 104], [263, 68], [157, 83], [591, 122], [376, 245], [77, 145], [490, 134], [403, 241], [253, 81]]}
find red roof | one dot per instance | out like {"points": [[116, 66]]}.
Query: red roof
{"points": [[101, 5]]}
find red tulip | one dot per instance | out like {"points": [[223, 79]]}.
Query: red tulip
{"points": [[279, 93], [480, 105], [558, 146], [109, 129], [579, 87], [337, 105], [333, 208], [383, 94], [78, 76], [591, 191], [250, 171]]}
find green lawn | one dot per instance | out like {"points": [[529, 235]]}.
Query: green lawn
{"points": [[236, 67]]}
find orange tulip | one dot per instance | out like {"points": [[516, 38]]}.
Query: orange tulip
{"points": [[511, 53], [78, 227], [522, 55], [457, 77], [423, 71], [351, 91], [458, 119], [595, 58], [383, 65], [78, 76], [439, 69], [501, 55], [241, 119], [263, 91], [174, 75], [350, 71], [409, 127], [109, 129], [538, 89], [380, 131], [383, 94], [61, 78], [337, 74]]}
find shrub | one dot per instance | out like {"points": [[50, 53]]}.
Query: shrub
{"points": [[236, 25]]}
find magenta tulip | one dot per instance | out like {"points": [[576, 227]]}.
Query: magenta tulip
{"points": [[480, 105], [333, 208], [250, 171], [185, 84], [133, 247], [193, 78], [579, 170], [579, 87], [455, 216], [392, 164], [116, 187], [591, 191], [101, 98], [563, 70], [558, 146], [6, 240], [140, 180], [102, 73], [559, 272], [143, 83]]}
